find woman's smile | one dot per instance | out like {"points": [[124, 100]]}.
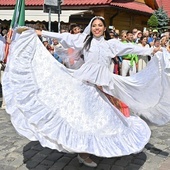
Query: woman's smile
{"points": [[98, 28]]}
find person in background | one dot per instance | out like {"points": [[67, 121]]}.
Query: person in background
{"points": [[3, 41], [167, 34], [2, 45], [75, 59], [123, 35], [57, 47], [164, 42], [138, 35], [45, 42], [129, 61], [111, 28], [157, 43], [150, 37], [143, 59], [114, 65], [63, 30], [122, 39], [4, 32], [134, 31], [146, 33], [117, 33], [75, 29], [154, 35], [111, 33]]}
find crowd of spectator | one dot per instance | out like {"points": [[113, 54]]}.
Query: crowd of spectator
{"points": [[122, 65], [148, 38]]}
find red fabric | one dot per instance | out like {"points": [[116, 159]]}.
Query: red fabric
{"points": [[125, 109], [118, 104], [116, 68]]}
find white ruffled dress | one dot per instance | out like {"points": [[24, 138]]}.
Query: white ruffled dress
{"points": [[63, 109]]}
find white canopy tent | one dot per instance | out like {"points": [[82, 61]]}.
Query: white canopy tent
{"points": [[39, 15]]}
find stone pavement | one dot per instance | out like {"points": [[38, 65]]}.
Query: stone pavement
{"points": [[18, 153]]}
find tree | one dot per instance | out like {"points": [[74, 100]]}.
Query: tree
{"points": [[153, 21], [162, 18]]}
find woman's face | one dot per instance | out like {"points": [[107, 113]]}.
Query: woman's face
{"points": [[157, 43], [144, 41], [97, 28], [123, 37], [76, 30], [163, 41]]}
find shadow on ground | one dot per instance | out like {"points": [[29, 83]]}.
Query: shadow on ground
{"points": [[38, 158]]}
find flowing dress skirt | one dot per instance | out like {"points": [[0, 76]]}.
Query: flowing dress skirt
{"points": [[47, 103]]}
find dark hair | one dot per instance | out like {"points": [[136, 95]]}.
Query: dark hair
{"points": [[72, 27], [89, 37], [116, 35], [157, 39], [129, 32], [141, 38]]}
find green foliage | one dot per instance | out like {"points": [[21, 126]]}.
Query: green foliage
{"points": [[162, 18], [153, 21]]}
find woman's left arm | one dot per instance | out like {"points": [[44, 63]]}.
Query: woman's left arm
{"points": [[129, 48]]}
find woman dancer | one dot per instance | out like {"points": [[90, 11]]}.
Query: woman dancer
{"points": [[65, 110]]}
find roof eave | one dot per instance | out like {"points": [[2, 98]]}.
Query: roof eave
{"points": [[152, 4], [83, 7], [134, 11]]}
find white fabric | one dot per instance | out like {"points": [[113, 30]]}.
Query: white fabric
{"points": [[136, 91], [48, 103], [2, 47]]}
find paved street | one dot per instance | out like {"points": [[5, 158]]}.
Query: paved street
{"points": [[18, 153]]}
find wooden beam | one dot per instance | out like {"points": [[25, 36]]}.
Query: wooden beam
{"points": [[152, 3]]}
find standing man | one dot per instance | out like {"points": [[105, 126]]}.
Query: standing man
{"points": [[3, 41], [2, 51], [129, 62], [2, 45]]}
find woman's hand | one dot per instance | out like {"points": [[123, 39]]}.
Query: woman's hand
{"points": [[21, 29], [8, 40], [156, 50]]}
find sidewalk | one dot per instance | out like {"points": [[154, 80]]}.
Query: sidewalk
{"points": [[18, 153]]}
